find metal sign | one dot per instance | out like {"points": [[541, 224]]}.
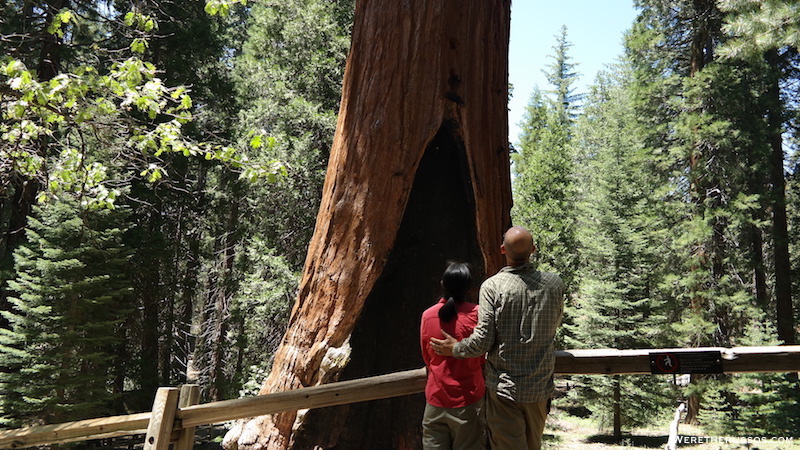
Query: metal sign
{"points": [[689, 362]]}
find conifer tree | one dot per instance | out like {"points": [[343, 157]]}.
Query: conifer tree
{"points": [[711, 141], [561, 75], [288, 78], [618, 303], [61, 354], [101, 74], [765, 34], [765, 404], [544, 167]]}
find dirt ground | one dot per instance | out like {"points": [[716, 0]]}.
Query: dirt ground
{"points": [[565, 432]]}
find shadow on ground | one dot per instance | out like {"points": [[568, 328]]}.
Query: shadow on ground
{"points": [[552, 439], [629, 440]]}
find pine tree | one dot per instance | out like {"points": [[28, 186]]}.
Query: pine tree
{"points": [[289, 78], [561, 75], [618, 303], [765, 34], [544, 169], [61, 353], [288, 84], [710, 139], [260, 311], [101, 99]]}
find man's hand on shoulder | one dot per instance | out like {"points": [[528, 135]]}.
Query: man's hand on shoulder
{"points": [[443, 347]]}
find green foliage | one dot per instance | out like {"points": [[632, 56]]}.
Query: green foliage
{"points": [[222, 7], [643, 398], [561, 75], [723, 147], [716, 409], [259, 311], [759, 404], [618, 303], [543, 185], [113, 101], [265, 297], [793, 211], [710, 141], [61, 351], [709, 144], [758, 26], [289, 82]]}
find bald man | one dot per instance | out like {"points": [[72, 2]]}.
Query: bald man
{"points": [[519, 311]]}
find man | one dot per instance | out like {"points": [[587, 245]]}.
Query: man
{"points": [[519, 311]]}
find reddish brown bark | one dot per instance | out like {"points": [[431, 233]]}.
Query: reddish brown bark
{"points": [[418, 174]]}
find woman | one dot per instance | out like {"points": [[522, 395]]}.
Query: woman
{"points": [[455, 387]]}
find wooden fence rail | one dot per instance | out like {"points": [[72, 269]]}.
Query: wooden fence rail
{"points": [[176, 413]]}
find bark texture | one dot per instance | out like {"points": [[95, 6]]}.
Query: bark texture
{"points": [[418, 174], [780, 234]]}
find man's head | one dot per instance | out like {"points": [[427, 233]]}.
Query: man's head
{"points": [[517, 246]]}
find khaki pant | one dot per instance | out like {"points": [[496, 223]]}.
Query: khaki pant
{"points": [[454, 428], [514, 426]]}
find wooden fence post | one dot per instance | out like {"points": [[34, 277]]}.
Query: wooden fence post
{"points": [[159, 430], [189, 395]]}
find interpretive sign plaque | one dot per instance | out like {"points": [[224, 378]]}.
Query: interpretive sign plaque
{"points": [[680, 362]]}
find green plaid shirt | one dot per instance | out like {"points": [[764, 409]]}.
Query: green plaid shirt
{"points": [[519, 311]]}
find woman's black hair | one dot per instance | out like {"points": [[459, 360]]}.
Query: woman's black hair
{"points": [[456, 281]]}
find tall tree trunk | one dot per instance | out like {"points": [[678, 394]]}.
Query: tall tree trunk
{"points": [[759, 271], [221, 293], [186, 275], [780, 235], [753, 234], [148, 354], [185, 340], [166, 318], [702, 44], [701, 53], [418, 174], [148, 275], [693, 403], [617, 409]]}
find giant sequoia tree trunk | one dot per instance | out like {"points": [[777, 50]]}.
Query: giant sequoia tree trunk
{"points": [[418, 174]]}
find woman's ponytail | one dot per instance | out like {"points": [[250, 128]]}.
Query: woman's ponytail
{"points": [[456, 281], [448, 311]]}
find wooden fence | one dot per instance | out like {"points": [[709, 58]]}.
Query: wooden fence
{"points": [[176, 414]]}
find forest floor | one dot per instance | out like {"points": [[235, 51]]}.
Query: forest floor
{"points": [[567, 432]]}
